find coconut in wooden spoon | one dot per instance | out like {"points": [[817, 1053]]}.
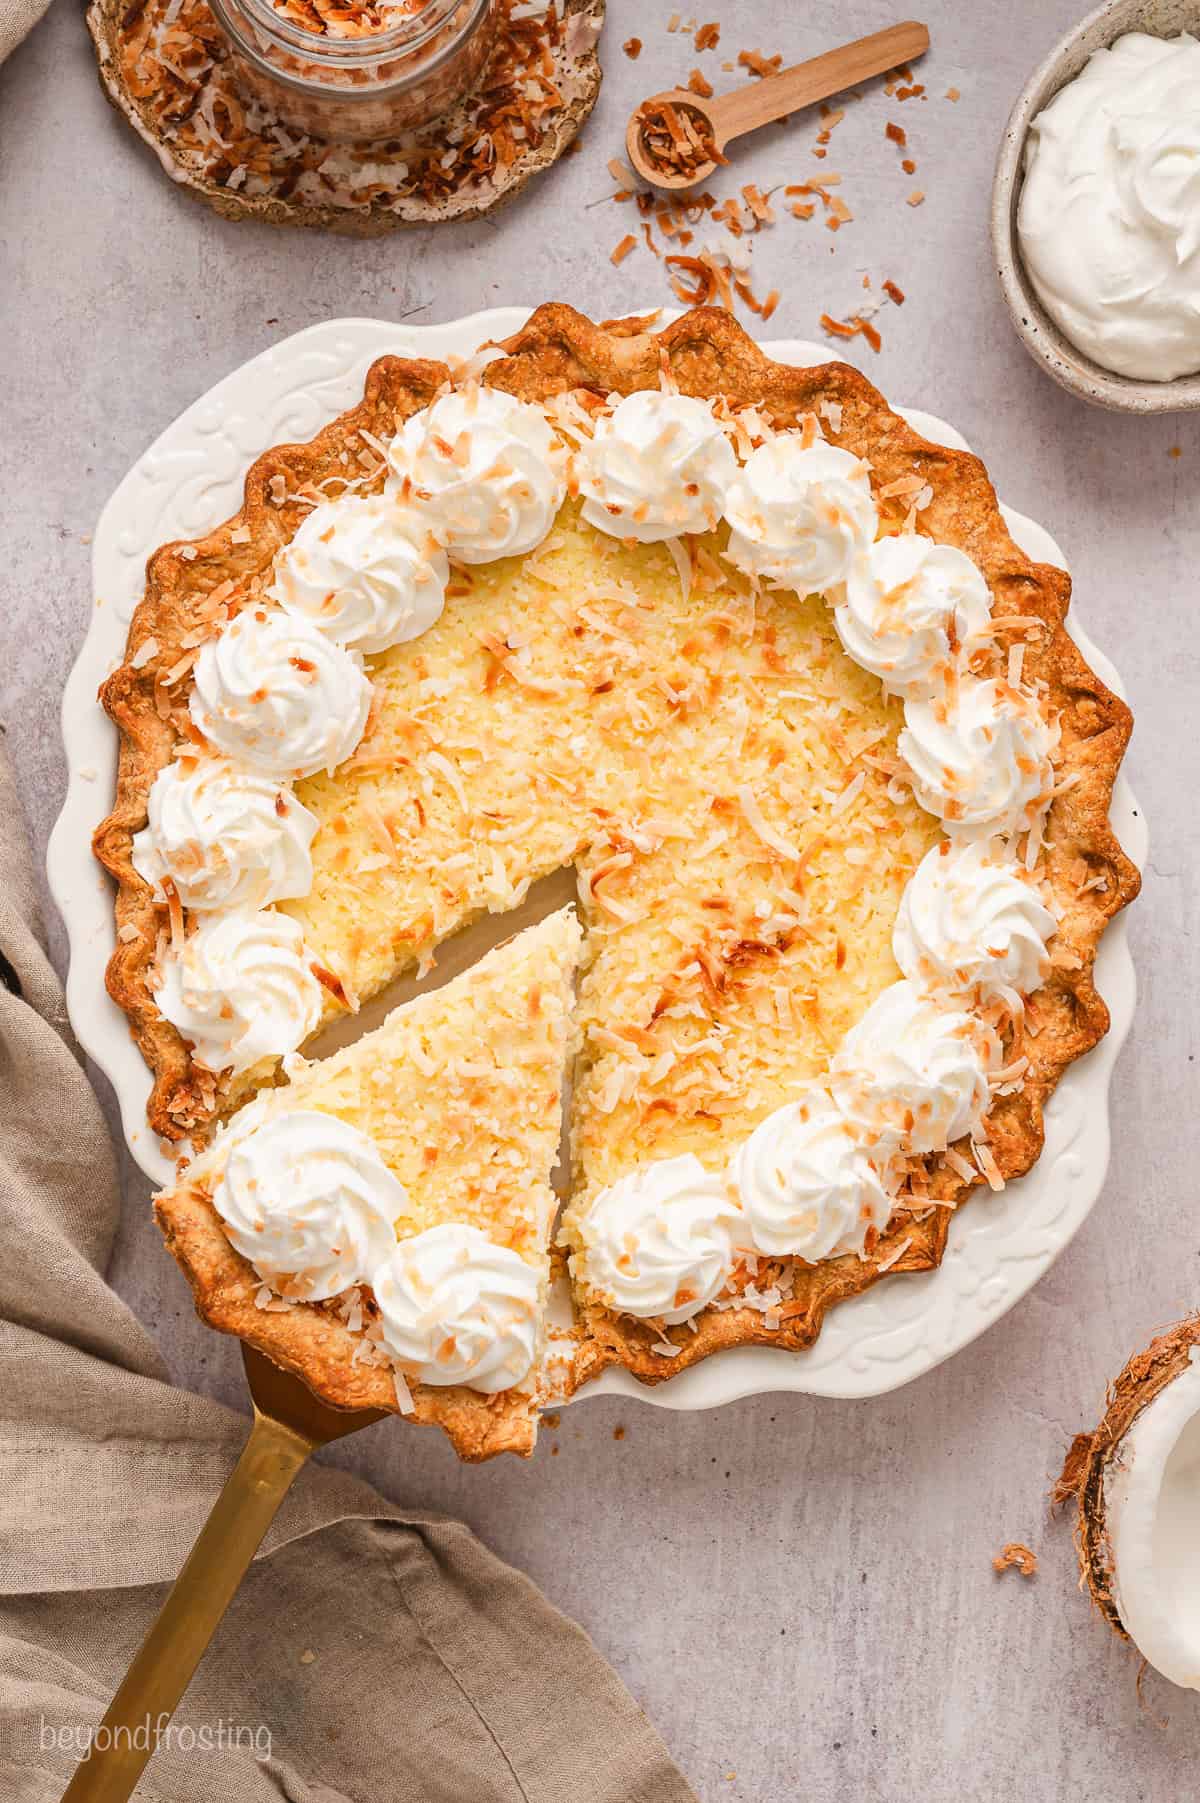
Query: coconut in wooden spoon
{"points": [[676, 139]]}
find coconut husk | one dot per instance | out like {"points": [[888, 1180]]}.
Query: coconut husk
{"points": [[274, 178], [1082, 1479]]}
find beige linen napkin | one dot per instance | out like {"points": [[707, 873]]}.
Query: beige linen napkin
{"points": [[17, 20], [370, 1657]]}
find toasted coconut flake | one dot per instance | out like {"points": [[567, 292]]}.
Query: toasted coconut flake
{"points": [[1016, 1557]]}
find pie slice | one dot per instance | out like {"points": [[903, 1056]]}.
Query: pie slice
{"points": [[380, 1224]]}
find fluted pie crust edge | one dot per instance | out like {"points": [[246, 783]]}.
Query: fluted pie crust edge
{"points": [[707, 354]]}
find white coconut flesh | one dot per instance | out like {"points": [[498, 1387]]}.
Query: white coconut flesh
{"points": [[1152, 1511]]}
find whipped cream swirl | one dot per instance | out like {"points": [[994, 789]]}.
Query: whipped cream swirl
{"points": [[273, 692], [658, 465], [1109, 214], [912, 1076], [909, 609], [365, 571], [800, 516], [484, 470], [240, 988], [808, 1185], [979, 756], [968, 919], [456, 1308], [227, 837], [308, 1200], [660, 1242]]}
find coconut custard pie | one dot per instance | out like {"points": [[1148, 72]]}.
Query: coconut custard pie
{"points": [[766, 670]]}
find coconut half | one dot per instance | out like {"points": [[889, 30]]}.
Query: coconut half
{"points": [[1136, 1482]]}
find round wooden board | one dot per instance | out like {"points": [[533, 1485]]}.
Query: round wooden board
{"points": [[577, 77]]}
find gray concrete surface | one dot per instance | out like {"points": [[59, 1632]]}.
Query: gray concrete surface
{"points": [[799, 1592]]}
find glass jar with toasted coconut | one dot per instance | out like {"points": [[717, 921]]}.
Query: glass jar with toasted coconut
{"points": [[357, 70]]}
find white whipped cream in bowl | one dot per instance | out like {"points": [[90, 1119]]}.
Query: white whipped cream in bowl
{"points": [[308, 1200], [1108, 219], [485, 471], [457, 1308], [658, 465], [367, 572], [226, 836], [800, 514]]}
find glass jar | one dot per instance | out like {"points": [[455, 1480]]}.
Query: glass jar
{"points": [[358, 88]]}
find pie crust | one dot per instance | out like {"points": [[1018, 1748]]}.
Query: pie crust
{"points": [[707, 354]]}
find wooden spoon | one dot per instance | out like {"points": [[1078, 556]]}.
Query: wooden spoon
{"points": [[760, 102], [289, 1424]]}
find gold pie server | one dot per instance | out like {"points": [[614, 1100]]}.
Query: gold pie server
{"points": [[289, 1424]]}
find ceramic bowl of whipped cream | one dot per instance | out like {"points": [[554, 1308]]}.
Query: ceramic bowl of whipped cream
{"points": [[1096, 208]]}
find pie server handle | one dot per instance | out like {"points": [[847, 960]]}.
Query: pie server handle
{"points": [[163, 1668]]}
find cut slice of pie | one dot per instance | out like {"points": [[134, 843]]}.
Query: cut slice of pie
{"points": [[380, 1224]]}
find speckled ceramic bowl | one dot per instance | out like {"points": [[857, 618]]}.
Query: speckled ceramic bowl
{"points": [[1038, 332]]}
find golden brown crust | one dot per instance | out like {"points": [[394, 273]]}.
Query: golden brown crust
{"points": [[1082, 1478], [318, 1347], [708, 354]]}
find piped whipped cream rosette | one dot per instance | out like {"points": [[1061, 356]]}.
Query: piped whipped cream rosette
{"points": [[226, 836], [914, 1075], [661, 1242], [307, 1199], [971, 919], [369, 574], [275, 693], [457, 1308], [800, 514], [979, 754], [485, 471], [910, 610], [657, 466], [240, 988], [809, 1183]]}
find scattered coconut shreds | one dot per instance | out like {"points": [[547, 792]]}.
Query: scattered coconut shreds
{"points": [[953, 94], [1016, 1557], [697, 274], [758, 64], [177, 68], [621, 251], [632, 48], [851, 328]]}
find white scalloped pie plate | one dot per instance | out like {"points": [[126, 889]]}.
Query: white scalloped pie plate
{"points": [[189, 480]]}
